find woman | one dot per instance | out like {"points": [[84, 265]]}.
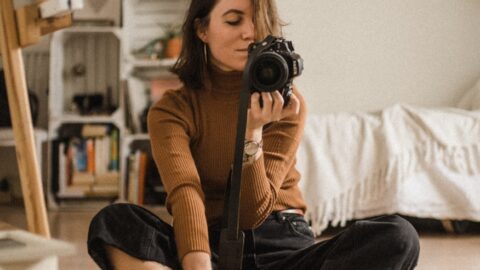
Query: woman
{"points": [[192, 134]]}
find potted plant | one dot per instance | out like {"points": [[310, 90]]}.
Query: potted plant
{"points": [[152, 50], [172, 41]]}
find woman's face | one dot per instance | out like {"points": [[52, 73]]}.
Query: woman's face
{"points": [[229, 33]]}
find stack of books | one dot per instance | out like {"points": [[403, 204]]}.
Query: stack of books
{"points": [[88, 164]]}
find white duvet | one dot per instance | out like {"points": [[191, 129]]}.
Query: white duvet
{"points": [[408, 160]]}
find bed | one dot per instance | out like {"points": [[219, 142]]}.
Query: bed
{"points": [[416, 161]]}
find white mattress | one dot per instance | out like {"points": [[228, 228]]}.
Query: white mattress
{"points": [[421, 162]]}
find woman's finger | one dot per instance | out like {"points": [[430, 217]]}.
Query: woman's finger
{"points": [[277, 106], [254, 114], [267, 104], [292, 108], [255, 103]]}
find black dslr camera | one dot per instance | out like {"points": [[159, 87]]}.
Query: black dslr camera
{"points": [[272, 65]]}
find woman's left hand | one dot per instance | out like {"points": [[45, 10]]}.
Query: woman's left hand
{"points": [[271, 111]]}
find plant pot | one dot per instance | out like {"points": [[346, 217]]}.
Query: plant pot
{"points": [[173, 48]]}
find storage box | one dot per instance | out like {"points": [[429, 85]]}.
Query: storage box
{"points": [[99, 12]]}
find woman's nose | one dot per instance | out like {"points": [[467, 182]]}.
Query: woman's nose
{"points": [[248, 31]]}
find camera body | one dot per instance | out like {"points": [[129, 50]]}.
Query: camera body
{"points": [[272, 64]]}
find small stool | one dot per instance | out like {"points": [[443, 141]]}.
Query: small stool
{"points": [[20, 249]]}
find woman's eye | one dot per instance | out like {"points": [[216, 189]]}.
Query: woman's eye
{"points": [[236, 22]]}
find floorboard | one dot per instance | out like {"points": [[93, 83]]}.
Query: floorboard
{"points": [[439, 251]]}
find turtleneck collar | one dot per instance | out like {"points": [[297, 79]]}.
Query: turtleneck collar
{"points": [[224, 83]]}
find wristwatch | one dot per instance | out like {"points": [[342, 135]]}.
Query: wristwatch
{"points": [[251, 149]]}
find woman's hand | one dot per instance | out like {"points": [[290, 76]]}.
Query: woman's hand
{"points": [[196, 260], [271, 111]]}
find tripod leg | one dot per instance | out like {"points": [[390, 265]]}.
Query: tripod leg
{"points": [[21, 122]]}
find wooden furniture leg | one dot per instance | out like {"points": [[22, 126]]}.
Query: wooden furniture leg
{"points": [[30, 176]]}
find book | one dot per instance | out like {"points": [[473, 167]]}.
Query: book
{"points": [[128, 113], [114, 150], [82, 178], [132, 178], [54, 166], [90, 148], [142, 167], [137, 101], [62, 178], [100, 149], [103, 191], [106, 152], [94, 130], [76, 190], [80, 158], [108, 178], [73, 192]]}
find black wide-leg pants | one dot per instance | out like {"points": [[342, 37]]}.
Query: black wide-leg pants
{"points": [[283, 241]]}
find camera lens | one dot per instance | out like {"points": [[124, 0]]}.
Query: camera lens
{"points": [[270, 72], [267, 72]]}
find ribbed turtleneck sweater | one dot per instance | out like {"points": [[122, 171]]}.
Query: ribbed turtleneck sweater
{"points": [[193, 139]]}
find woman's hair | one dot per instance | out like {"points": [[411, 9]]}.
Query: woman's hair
{"points": [[191, 66]]}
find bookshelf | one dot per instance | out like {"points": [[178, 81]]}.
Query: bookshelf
{"points": [[143, 184], [85, 95], [143, 22], [99, 80]]}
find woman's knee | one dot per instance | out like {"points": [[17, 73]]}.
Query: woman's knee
{"points": [[115, 209], [113, 226], [115, 212], [113, 219], [399, 235]]}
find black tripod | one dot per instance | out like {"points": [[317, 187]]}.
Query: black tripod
{"points": [[231, 238]]}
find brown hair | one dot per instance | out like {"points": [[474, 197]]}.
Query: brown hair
{"points": [[191, 66]]}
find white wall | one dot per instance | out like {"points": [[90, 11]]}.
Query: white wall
{"points": [[365, 55]]}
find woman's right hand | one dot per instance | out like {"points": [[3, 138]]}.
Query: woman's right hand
{"points": [[196, 260]]}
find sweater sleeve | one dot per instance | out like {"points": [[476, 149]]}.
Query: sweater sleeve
{"points": [[263, 179], [170, 127]]}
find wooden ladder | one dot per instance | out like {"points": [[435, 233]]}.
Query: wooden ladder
{"points": [[20, 28]]}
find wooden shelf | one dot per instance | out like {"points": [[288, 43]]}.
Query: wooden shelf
{"points": [[74, 118], [94, 29], [7, 138], [160, 63], [138, 137]]}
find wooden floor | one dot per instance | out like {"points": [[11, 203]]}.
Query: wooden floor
{"points": [[438, 251]]}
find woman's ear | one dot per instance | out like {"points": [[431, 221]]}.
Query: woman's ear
{"points": [[200, 31]]}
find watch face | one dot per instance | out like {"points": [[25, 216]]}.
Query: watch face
{"points": [[251, 148]]}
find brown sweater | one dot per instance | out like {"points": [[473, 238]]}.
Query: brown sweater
{"points": [[193, 139]]}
